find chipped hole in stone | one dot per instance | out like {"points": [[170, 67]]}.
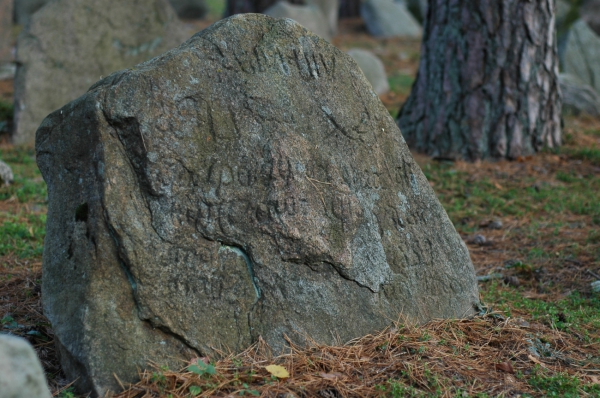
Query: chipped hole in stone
{"points": [[81, 213]]}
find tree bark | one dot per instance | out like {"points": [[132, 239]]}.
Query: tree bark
{"points": [[487, 85], [242, 6]]}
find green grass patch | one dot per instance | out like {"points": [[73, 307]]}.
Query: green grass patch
{"points": [[573, 313], [28, 185], [463, 197], [401, 83], [216, 9], [561, 385], [23, 235], [590, 154]]}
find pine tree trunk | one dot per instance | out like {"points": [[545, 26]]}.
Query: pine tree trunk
{"points": [[242, 6], [487, 85]]}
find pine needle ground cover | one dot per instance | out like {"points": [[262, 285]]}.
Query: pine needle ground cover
{"points": [[533, 229]]}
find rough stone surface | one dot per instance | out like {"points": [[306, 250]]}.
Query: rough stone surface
{"points": [[70, 44], [189, 9], [386, 18], [578, 97], [248, 183], [21, 374], [310, 16], [581, 57], [373, 69], [6, 174], [6, 31], [24, 9]]}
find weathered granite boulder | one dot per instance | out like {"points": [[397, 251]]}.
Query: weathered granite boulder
{"points": [[21, 374], [373, 69], [24, 9], [6, 31], [70, 44], [581, 57], [387, 18], [247, 183], [578, 97], [190, 9], [310, 16]]}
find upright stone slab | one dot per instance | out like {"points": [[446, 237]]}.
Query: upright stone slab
{"points": [[6, 31], [581, 57], [21, 374], [248, 183], [70, 44], [387, 18], [24, 9]]}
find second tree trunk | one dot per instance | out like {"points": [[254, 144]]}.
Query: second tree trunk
{"points": [[487, 85]]}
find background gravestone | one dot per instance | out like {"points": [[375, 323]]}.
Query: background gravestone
{"points": [[190, 9], [373, 69], [24, 9], [21, 374], [578, 97], [387, 18], [70, 44], [6, 31], [581, 57], [247, 183], [310, 16]]}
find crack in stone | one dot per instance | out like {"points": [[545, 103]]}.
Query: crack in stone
{"points": [[249, 264]]}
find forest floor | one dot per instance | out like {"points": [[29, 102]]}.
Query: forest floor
{"points": [[533, 229]]}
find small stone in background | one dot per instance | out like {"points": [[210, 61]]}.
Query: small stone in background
{"points": [[596, 286], [373, 69], [330, 9], [512, 281], [578, 97], [309, 16], [21, 374], [496, 224], [6, 174], [386, 18], [479, 240], [189, 9]]}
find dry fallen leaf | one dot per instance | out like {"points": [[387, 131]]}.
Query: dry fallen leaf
{"points": [[505, 367], [278, 371]]}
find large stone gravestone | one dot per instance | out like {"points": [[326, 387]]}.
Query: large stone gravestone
{"points": [[247, 183], [70, 44]]}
